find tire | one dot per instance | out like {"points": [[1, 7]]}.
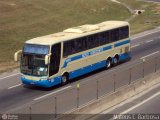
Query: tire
{"points": [[64, 79], [108, 64], [115, 61]]}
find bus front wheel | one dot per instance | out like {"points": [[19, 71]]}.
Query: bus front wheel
{"points": [[65, 79]]}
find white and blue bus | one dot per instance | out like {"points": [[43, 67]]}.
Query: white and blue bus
{"points": [[58, 58]]}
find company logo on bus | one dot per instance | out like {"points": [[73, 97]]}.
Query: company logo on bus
{"points": [[4, 117]]}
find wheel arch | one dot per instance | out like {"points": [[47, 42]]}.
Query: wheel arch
{"points": [[65, 73], [116, 56], [109, 58]]}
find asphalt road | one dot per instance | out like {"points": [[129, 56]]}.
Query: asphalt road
{"points": [[13, 94], [149, 107]]}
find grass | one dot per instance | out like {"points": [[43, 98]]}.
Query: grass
{"points": [[26, 19]]}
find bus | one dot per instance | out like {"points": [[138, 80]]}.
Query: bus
{"points": [[60, 57]]}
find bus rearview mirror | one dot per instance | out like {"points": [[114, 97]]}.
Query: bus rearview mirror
{"points": [[17, 56], [47, 59]]}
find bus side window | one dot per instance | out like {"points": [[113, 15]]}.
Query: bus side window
{"points": [[73, 47], [124, 32], [68, 48], [65, 50], [104, 38], [96, 40], [93, 41], [79, 45], [84, 43], [114, 35], [89, 42]]}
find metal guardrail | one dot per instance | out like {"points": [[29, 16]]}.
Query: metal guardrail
{"points": [[90, 90]]}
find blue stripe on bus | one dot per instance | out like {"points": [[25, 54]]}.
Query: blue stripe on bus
{"points": [[121, 43], [87, 69]]}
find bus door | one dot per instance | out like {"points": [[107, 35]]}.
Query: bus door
{"points": [[55, 59]]}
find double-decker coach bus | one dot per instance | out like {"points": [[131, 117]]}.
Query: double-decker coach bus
{"points": [[57, 58]]}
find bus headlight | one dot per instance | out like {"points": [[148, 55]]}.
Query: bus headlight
{"points": [[51, 80], [22, 76], [43, 79]]}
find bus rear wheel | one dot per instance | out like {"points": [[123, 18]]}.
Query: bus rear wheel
{"points": [[108, 63], [65, 79], [115, 61]]}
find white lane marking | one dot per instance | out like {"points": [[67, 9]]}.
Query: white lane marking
{"points": [[149, 55], [141, 43], [14, 86], [149, 41], [9, 76], [135, 46], [52, 93], [145, 34], [139, 104]]}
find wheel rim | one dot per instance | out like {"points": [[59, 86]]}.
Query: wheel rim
{"points": [[64, 79], [108, 63], [115, 61]]}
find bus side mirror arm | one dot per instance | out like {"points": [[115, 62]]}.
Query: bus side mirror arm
{"points": [[47, 59], [16, 55]]}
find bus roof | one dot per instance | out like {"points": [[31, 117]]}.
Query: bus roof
{"points": [[76, 32]]}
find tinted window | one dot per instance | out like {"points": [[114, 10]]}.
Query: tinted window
{"points": [[80, 44], [74, 46], [36, 49], [68, 48], [104, 38], [124, 32], [114, 35], [92, 41]]}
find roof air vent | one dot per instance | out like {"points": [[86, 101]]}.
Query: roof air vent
{"points": [[82, 29], [58, 35]]}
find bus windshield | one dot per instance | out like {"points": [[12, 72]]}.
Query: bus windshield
{"points": [[33, 60], [36, 49], [33, 64]]}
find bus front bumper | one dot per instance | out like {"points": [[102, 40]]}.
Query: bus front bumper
{"points": [[46, 83]]}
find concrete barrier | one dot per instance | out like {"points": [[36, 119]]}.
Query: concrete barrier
{"points": [[149, 66], [65, 103], [122, 78], [137, 72], [105, 85], [87, 92]]}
